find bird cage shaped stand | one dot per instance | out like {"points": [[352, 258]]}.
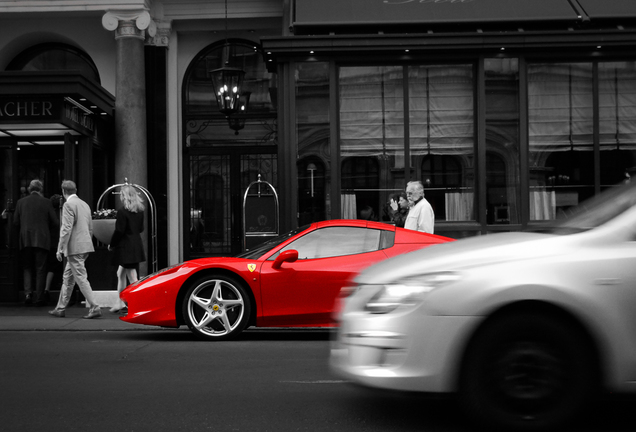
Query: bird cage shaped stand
{"points": [[260, 214], [114, 190]]}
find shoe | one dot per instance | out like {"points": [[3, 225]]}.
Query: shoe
{"points": [[115, 309], [94, 312], [28, 299], [57, 313]]}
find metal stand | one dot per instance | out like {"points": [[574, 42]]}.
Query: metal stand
{"points": [[153, 215], [260, 214]]}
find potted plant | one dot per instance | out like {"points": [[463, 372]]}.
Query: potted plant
{"points": [[104, 224]]}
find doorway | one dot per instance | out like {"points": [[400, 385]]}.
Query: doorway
{"points": [[219, 178]]}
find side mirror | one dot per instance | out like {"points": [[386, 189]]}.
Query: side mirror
{"points": [[290, 255]]}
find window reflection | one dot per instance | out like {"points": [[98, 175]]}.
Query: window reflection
{"points": [[617, 112], [560, 121]]}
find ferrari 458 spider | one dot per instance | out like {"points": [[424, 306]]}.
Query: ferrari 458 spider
{"points": [[290, 281]]}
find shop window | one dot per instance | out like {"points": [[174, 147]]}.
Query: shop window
{"points": [[560, 122], [360, 197], [445, 188], [55, 57]]}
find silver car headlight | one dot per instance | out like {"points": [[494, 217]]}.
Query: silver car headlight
{"points": [[407, 292]]}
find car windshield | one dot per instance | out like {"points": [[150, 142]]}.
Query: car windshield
{"points": [[597, 210], [267, 246]]}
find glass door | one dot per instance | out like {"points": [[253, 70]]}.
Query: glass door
{"points": [[218, 180], [8, 236]]}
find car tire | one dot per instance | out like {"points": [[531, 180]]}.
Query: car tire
{"points": [[527, 372], [216, 307]]}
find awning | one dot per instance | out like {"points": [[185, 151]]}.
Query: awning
{"points": [[312, 13], [41, 107]]}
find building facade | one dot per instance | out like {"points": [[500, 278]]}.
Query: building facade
{"points": [[509, 112]]}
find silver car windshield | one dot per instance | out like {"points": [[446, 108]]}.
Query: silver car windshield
{"points": [[597, 210]]}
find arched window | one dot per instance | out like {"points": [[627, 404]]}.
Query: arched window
{"points": [[55, 57]]}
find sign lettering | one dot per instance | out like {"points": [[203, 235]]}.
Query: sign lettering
{"points": [[35, 108]]}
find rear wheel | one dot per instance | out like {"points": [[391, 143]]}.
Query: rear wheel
{"points": [[216, 307], [527, 371]]}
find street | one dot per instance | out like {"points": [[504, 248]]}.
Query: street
{"points": [[165, 380]]}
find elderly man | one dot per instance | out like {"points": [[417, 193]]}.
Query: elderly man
{"points": [[421, 216]]}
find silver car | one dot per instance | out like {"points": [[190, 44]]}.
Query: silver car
{"points": [[525, 327]]}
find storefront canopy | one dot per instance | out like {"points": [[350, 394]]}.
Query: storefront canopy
{"points": [[41, 107], [383, 14]]}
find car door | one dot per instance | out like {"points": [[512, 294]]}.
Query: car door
{"points": [[302, 293]]}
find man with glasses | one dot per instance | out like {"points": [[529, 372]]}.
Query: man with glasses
{"points": [[421, 216]]}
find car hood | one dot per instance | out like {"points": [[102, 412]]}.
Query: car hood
{"points": [[467, 253]]}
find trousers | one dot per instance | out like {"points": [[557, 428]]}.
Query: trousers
{"points": [[75, 272]]}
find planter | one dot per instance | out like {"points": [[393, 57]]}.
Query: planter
{"points": [[103, 229]]}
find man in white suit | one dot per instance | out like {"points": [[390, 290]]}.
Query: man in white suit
{"points": [[76, 242]]}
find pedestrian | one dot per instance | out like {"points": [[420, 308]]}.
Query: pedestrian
{"points": [[76, 242], [53, 266], [126, 242], [34, 218], [398, 208], [421, 216]]}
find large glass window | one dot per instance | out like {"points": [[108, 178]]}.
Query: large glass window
{"points": [[561, 125], [617, 122], [371, 139], [441, 132]]}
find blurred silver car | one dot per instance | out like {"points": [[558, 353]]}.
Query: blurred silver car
{"points": [[525, 327]]}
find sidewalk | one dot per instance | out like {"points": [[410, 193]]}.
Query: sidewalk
{"points": [[18, 317]]}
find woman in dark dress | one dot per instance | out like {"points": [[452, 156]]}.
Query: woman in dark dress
{"points": [[126, 241]]}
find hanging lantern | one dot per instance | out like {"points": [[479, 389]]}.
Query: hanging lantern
{"points": [[237, 121], [227, 83]]}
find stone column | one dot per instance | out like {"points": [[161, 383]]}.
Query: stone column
{"points": [[131, 154], [131, 158]]}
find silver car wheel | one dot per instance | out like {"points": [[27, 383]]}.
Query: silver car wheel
{"points": [[215, 308]]}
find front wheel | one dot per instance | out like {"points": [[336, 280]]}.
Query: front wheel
{"points": [[216, 307], [527, 371]]}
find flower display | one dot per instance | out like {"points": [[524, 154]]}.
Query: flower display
{"points": [[105, 214]]}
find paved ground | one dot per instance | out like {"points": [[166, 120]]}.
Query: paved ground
{"points": [[17, 317]]}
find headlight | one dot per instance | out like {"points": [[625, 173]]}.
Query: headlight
{"points": [[407, 292]]}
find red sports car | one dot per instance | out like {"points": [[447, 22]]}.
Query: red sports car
{"points": [[290, 281]]}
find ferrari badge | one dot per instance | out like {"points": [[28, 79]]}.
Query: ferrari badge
{"points": [[251, 267]]}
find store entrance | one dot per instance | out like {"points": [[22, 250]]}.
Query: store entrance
{"points": [[8, 236], [218, 180]]}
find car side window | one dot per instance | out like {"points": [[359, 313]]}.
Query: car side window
{"points": [[336, 241]]}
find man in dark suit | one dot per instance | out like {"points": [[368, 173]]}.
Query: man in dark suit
{"points": [[76, 242], [35, 218]]}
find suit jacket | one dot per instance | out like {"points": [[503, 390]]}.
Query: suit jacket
{"points": [[35, 218], [76, 229]]}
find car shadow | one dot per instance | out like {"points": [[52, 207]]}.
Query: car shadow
{"points": [[408, 411], [256, 334]]}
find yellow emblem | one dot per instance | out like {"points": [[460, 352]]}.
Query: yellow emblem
{"points": [[251, 267], [216, 307]]}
